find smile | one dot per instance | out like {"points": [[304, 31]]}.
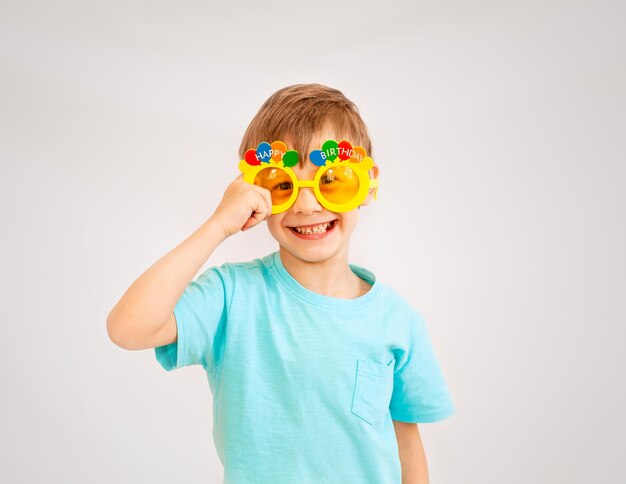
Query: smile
{"points": [[314, 231]]}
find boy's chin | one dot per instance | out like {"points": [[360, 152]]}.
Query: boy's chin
{"points": [[311, 255]]}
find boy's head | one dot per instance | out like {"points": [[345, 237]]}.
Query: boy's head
{"points": [[295, 114], [304, 116]]}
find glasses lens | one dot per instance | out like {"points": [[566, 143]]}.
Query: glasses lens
{"points": [[339, 184], [277, 181]]}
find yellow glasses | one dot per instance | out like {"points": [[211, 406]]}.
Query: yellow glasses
{"points": [[341, 182]]}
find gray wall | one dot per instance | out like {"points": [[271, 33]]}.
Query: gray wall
{"points": [[499, 129]]}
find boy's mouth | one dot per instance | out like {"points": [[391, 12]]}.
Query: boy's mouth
{"points": [[315, 229]]}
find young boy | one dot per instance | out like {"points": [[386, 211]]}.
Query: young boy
{"points": [[310, 359]]}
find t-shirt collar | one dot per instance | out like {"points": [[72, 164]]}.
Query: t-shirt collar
{"points": [[317, 299]]}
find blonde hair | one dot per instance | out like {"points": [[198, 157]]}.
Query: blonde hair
{"points": [[294, 114]]}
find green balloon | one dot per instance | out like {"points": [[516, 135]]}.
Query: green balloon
{"points": [[290, 158], [330, 149]]}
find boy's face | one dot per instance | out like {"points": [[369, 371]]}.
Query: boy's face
{"points": [[324, 242]]}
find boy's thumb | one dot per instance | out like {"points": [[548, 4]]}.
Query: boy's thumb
{"points": [[251, 222]]}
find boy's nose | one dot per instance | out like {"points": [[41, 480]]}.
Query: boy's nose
{"points": [[306, 203]]}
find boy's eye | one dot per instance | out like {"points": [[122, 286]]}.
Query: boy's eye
{"points": [[327, 178], [283, 186]]}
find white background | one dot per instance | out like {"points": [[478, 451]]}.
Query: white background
{"points": [[499, 129]]}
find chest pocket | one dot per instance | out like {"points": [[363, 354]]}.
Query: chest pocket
{"points": [[372, 390]]}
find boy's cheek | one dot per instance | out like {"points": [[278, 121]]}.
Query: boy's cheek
{"points": [[273, 222]]}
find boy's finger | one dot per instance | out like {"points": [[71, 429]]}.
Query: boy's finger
{"points": [[267, 197], [258, 215], [267, 200], [254, 219]]}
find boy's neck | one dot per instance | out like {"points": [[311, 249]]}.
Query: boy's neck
{"points": [[332, 277]]}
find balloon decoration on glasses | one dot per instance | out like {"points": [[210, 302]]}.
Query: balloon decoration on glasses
{"points": [[341, 182]]}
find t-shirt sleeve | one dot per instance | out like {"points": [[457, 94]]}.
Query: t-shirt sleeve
{"points": [[201, 315], [420, 393]]}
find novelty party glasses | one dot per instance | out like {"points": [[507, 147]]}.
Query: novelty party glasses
{"points": [[341, 182]]}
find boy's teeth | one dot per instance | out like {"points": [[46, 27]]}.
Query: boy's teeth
{"points": [[316, 229]]}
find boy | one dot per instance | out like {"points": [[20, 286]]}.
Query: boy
{"points": [[310, 359]]}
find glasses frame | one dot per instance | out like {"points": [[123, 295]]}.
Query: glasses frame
{"points": [[360, 168]]}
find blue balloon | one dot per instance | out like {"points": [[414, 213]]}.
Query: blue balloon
{"points": [[318, 158], [264, 152]]}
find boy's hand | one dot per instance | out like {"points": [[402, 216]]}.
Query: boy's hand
{"points": [[242, 207]]}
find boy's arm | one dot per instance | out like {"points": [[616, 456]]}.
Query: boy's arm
{"points": [[412, 456], [143, 318]]}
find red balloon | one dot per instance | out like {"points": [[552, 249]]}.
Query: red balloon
{"points": [[250, 157], [344, 148]]}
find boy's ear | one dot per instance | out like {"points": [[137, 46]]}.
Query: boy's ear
{"points": [[374, 170]]}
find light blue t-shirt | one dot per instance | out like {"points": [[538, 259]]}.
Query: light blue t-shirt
{"points": [[305, 386]]}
